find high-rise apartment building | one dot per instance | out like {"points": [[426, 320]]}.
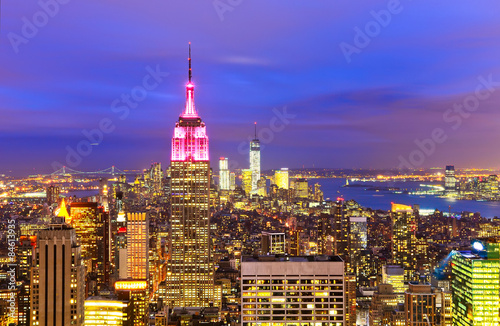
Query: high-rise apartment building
{"points": [[190, 269], [57, 278], [285, 290], [281, 178], [404, 240], [224, 177], [138, 246], [255, 161]]}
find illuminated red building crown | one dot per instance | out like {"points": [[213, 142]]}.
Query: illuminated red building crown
{"points": [[190, 141]]}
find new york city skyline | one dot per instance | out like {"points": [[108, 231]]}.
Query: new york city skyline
{"points": [[362, 108]]}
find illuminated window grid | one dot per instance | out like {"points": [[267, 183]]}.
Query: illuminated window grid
{"points": [[105, 312], [292, 299], [475, 290], [190, 276]]}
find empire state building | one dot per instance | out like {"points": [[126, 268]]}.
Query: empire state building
{"points": [[190, 270]]}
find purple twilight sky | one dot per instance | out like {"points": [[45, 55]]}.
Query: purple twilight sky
{"points": [[355, 85]]}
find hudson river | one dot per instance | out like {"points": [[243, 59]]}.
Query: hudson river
{"points": [[332, 188]]}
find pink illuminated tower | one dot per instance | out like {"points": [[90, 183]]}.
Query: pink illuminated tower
{"points": [[190, 270]]}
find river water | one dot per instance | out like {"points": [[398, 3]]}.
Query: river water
{"points": [[332, 188]]}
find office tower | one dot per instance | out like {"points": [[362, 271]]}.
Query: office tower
{"points": [[190, 269], [395, 276], [286, 290], [281, 178], [273, 243], [107, 311], [383, 304], [476, 285], [404, 239], [301, 188], [224, 180], [92, 226], [491, 191], [57, 278], [83, 218], [232, 181], [138, 246], [420, 305], [246, 181], [255, 161], [450, 181], [136, 293], [52, 194]]}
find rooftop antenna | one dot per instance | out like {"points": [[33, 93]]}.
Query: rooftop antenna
{"points": [[190, 75], [255, 123]]}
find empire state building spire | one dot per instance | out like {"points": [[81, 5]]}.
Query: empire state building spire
{"points": [[190, 141], [190, 111]]}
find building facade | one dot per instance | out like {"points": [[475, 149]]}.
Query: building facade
{"points": [[190, 269], [283, 290], [255, 161], [57, 278]]}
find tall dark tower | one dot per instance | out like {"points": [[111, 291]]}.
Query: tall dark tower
{"points": [[190, 270]]}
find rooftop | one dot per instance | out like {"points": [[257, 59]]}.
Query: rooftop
{"points": [[285, 258]]}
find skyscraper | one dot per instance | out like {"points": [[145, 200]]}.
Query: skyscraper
{"points": [[57, 278], [138, 246], [224, 180], [255, 161], [301, 188], [450, 181], [190, 270], [92, 227], [281, 178], [246, 181], [53, 194], [476, 285], [404, 239]]}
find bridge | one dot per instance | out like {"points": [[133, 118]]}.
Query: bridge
{"points": [[110, 171]]}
